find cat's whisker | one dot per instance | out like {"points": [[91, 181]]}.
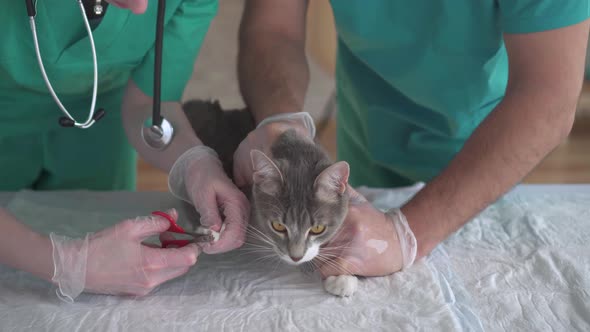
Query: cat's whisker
{"points": [[329, 263], [248, 245], [277, 265], [264, 241], [339, 247], [254, 230], [252, 253], [263, 258], [332, 263], [339, 267], [259, 237], [354, 266], [314, 265], [260, 249], [308, 267], [338, 232]]}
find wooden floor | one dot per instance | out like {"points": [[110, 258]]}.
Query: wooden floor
{"points": [[569, 163]]}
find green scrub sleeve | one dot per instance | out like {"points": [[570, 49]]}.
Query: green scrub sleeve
{"points": [[527, 16]]}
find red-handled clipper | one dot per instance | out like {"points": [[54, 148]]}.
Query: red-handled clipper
{"points": [[174, 228]]}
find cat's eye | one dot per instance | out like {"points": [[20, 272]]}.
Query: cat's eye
{"points": [[277, 226], [317, 229]]}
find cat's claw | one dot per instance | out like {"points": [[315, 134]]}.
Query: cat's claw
{"points": [[342, 285]]}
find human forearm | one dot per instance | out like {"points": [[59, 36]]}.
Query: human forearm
{"points": [[545, 78], [23, 249], [272, 65], [501, 152], [136, 108]]}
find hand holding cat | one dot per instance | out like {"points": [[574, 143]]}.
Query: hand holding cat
{"points": [[198, 178], [262, 138], [370, 243], [114, 261]]}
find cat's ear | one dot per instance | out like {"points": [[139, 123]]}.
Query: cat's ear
{"points": [[332, 182], [266, 176]]}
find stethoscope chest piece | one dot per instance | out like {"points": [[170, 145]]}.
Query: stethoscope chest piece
{"points": [[158, 137]]}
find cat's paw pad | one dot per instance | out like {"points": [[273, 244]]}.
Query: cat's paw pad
{"points": [[343, 285]]}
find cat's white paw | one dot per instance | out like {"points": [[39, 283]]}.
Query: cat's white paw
{"points": [[343, 285]]}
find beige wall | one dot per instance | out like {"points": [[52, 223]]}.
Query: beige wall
{"points": [[321, 34]]}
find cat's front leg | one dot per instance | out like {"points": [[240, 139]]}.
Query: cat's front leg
{"points": [[342, 285]]}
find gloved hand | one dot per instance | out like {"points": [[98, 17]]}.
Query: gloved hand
{"points": [[262, 138], [198, 178], [371, 243], [136, 6], [114, 261]]}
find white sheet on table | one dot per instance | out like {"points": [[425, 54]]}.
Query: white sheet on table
{"points": [[527, 257], [523, 264], [229, 292]]}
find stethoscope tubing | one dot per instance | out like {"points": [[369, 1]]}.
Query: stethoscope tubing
{"points": [[90, 120]]}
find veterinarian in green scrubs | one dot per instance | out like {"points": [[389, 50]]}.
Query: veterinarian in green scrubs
{"points": [[37, 153], [416, 79], [467, 96]]}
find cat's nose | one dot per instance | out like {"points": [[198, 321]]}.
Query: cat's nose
{"points": [[295, 259]]}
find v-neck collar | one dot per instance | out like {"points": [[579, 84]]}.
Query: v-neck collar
{"points": [[104, 34]]}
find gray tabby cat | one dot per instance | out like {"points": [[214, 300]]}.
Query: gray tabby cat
{"points": [[298, 198]]}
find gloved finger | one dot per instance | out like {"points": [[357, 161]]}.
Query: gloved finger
{"points": [[153, 225], [208, 208], [242, 167], [166, 236], [143, 227], [157, 259], [171, 212], [233, 236]]}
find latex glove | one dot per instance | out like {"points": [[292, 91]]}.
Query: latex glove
{"points": [[136, 6], [262, 138], [114, 261], [370, 243], [198, 178]]}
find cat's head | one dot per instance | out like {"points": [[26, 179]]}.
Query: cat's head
{"points": [[297, 209]]}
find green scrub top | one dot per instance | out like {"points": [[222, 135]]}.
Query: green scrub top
{"points": [[39, 154], [124, 46], [415, 78]]}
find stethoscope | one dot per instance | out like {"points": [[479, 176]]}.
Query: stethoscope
{"points": [[156, 136]]}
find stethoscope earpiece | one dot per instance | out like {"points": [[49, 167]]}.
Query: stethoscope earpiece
{"points": [[99, 114], [64, 121]]}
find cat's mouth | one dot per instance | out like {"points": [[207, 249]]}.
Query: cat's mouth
{"points": [[308, 256]]}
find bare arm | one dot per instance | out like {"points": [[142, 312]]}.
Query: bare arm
{"points": [[272, 66], [136, 108], [23, 249], [536, 115]]}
